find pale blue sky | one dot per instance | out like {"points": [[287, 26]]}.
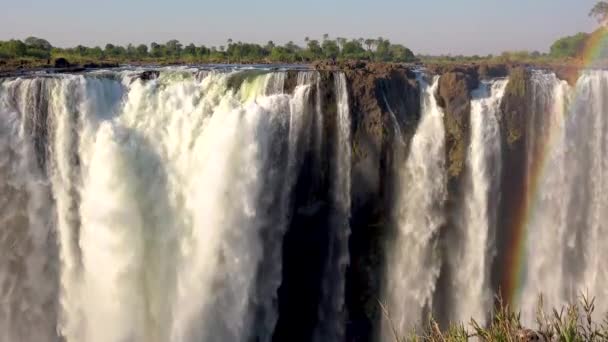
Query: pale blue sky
{"points": [[426, 26]]}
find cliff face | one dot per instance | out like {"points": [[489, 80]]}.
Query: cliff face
{"points": [[384, 102], [384, 99]]}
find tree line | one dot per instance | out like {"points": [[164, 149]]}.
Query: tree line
{"points": [[378, 49]]}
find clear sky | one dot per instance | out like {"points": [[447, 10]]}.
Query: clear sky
{"points": [[426, 26]]}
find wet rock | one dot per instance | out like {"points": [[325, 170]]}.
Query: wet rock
{"points": [[513, 106], [454, 95], [62, 63]]}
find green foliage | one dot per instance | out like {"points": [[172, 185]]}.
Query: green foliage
{"points": [[174, 51], [571, 46], [573, 323], [600, 12]]}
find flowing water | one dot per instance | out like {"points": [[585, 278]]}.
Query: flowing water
{"points": [[157, 209], [472, 294], [567, 230], [414, 264], [158, 195]]}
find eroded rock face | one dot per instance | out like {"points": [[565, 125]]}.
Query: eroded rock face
{"points": [[454, 95], [512, 202], [382, 96]]}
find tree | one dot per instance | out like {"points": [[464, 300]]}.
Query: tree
{"points": [[38, 43], [400, 53], [174, 47], [314, 48], [383, 50], [569, 46], [190, 49], [330, 49], [142, 50], [110, 49], [341, 41], [15, 48], [352, 49], [269, 46], [369, 43], [156, 50], [600, 12], [325, 36]]}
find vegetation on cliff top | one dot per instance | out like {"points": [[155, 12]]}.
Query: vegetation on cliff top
{"points": [[39, 51]]}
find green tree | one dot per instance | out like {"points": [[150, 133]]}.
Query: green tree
{"points": [[382, 50], [570, 46], [173, 47], [190, 50], [400, 53], [38, 43], [330, 49], [156, 50], [352, 49], [15, 48], [142, 50], [314, 49], [600, 12]]}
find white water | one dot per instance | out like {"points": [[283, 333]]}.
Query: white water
{"points": [[159, 203], [414, 263], [566, 243], [548, 220], [471, 284], [28, 284], [155, 211], [332, 312]]}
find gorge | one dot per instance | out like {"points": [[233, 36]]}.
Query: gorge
{"points": [[295, 203]]}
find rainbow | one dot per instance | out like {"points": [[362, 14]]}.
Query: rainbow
{"points": [[594, 54]]}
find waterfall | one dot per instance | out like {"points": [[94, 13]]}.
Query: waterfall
{"points": [[332, 311], [567, 157], [471, 291], [159, 195], [28, 282], [190, 205], [413, 263]]}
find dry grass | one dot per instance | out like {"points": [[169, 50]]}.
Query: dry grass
{"points": [[573, 323]]}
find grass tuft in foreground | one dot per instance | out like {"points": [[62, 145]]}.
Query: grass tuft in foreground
{"points": [[573, 323]]}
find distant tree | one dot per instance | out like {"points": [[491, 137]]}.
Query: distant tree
{"points": [[156, 50], [173, 47], [382, 50], [131, 51], [352, 49], [190, 50], [15, 48], [325, 36], [330, 49], [600, 12], [38, 43], [291, 47], [570, 46], [269, 46], [399, 53], [306, 39], [314, 49], [341, 41], [369, 43], [109, 49], [142, 50]]}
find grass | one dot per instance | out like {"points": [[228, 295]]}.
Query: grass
{"points": [[572, 323]]}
